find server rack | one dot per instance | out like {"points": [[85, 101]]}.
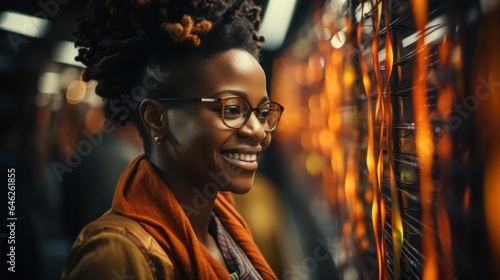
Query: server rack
{"points": [[382, 125]]}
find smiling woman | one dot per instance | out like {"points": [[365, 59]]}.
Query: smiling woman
{"points": [[204, 117], [199, 130]]}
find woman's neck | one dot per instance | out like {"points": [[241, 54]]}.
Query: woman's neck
{"points": [[196, 205]]}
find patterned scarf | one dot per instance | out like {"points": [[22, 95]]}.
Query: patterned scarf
{"points": [[236, 260]]}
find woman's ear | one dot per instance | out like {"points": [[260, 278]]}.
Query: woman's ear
{"points": [[154, 119]]}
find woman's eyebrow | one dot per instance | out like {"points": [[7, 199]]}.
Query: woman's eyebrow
{"points": [[235, 92], [239, 93]]}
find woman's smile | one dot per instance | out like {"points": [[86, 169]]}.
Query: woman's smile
{"points": [[246, 160]]}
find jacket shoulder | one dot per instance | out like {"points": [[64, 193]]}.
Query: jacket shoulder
{"points": [[116, 247]]}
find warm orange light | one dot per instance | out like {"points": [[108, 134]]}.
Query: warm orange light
{"points": [[491, 203], [314, 163], [487, 118], [444, 150], [378, 211], [424, 142], [354, 202], [445, 101], [387, 114], [326, 140], [94, 119], [466, 199], [75, 92]]}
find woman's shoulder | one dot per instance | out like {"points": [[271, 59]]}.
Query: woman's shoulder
{"points": [[117, 247]]}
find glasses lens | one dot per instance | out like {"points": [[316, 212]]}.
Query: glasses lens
{"points": [[269, 116], [234, 112]]}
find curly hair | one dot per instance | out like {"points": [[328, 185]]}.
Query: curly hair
{"points": [[120, 41]]}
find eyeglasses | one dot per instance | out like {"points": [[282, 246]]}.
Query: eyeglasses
{"points": [[235, 111]]}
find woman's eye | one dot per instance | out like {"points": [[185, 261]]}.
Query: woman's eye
{"points": [[264, 114], [232, 112]]}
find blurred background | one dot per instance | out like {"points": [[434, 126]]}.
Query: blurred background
{"points": [[385, 164]]}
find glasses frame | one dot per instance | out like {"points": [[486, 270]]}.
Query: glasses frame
{"points": [[222, 101]]}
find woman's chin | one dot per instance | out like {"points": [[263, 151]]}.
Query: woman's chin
{"points": [[240, 185]]}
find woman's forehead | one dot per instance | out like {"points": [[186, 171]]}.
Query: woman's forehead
{"points": [[233, 70]]}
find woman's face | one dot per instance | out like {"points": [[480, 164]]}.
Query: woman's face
{"points": [[201, 150]]}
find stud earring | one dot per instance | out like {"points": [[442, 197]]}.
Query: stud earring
{"points": [[157, 139]]}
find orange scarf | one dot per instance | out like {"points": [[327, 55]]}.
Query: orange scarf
{"points": [[144, 197]]}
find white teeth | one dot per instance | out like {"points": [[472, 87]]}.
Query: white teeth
{"points": [[242, 157]]}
